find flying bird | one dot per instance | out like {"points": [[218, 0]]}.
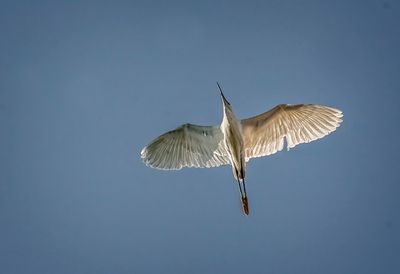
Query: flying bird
{"points": [[234, 142]]}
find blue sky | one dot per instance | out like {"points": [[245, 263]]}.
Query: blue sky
{"points": [[84, 85]]}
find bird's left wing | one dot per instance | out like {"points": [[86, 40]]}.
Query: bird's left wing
{"points": [[187, 146], [264, 134]]}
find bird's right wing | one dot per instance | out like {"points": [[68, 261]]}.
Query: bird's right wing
{"points": [[187, 146], [264, 134]]}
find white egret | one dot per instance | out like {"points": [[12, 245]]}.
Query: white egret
{"points": [[235, 141]]}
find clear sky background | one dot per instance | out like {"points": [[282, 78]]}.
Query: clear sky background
{"points": [[84, 85]]}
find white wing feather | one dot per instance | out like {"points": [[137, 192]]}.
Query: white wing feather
{"points": [[187, 146], [264, 134]]}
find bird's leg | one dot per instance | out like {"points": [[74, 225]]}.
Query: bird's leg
{"points": [[245, 203], [244, 188], [240, 189], [243, 196]]}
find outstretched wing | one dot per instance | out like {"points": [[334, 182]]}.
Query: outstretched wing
{"points": [[187, 146], [264, 134]]}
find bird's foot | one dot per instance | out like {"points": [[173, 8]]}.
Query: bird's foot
{"points": [[245, 206]]}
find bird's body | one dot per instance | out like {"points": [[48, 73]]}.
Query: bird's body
{"points": [[236, 141], [233, 139]]}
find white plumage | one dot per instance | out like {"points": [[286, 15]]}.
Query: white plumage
{"points": [[187, 146], [236, 141]]}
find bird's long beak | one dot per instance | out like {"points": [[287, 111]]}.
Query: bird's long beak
{"points": [[222, 95]]}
